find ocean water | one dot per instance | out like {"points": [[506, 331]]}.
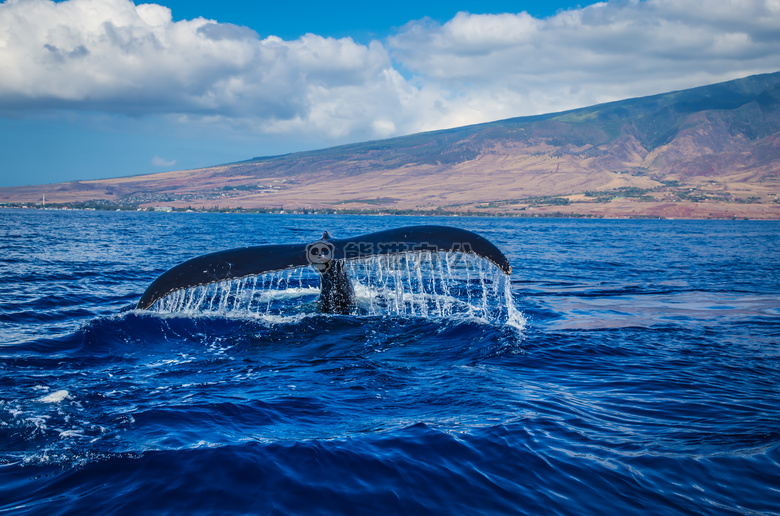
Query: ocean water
{"points": [[625, 367]]}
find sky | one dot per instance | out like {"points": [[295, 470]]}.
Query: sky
{"points": [[95, 89]]}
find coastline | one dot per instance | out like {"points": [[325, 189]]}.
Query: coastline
{"points": [[613, 210]]}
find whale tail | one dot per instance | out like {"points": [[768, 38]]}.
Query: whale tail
{"points": [[326, 255]]}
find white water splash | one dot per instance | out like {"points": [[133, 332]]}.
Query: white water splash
{"points": [[428, 285], [55, 397]]}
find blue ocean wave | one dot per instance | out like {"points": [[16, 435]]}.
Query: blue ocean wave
{"points": [[640, 377]]}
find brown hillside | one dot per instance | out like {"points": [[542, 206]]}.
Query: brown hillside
{"points": [[708, 152]]}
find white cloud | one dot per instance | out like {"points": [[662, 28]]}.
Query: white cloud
{"points": [[115, 57], [157, 161], [514, 63]]}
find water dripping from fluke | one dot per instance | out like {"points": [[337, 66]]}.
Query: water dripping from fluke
{"points": [[453, 286], [418, 271]]}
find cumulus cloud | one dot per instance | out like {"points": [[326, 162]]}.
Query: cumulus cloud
{"points": [[607, 51], [117, 57], [111, 55]]}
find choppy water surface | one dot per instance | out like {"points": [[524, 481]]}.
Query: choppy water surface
{"points": [[641, 373]]}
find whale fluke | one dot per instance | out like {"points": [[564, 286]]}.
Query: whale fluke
{"points": [[326, 255]]}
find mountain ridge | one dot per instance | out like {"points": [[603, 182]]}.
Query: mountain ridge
{"points": [[721, 142]]}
